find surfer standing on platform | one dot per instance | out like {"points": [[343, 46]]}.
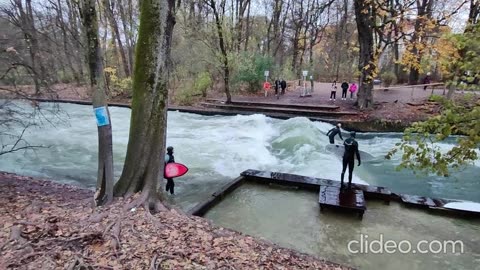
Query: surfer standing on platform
{"points": [[334, 131], [351, 150], [169, 158]]}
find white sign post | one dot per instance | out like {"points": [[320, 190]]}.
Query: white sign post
{"points": [[304, 73]]}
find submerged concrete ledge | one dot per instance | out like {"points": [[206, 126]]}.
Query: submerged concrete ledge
{"points": [[202, 208]]}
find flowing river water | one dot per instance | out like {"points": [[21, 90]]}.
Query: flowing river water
{"points": [[217, 148]]}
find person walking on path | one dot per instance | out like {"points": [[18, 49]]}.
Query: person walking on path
{"points": [[351, 150], [169, 158], [333, 93], [426, 80], [344, 87], [353, 89], [266, 87], [277, 87], [311, 84], [283, 85], [333, 132]]}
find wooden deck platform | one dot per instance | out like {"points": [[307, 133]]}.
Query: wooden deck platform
{"points": [[311, 183], [350, 200]]}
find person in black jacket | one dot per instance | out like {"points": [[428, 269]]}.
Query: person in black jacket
{"points": [[283, 85], [344, 87], [351, 150], [334, 131], [169, 158], [277, 86]]}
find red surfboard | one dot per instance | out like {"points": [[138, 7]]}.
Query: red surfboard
{"points": [[173, 170]]}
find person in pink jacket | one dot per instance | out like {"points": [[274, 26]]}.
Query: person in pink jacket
{"points": [[353, 89]]}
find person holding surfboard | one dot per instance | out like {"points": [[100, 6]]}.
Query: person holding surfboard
{"points": [[334, 131], [351, 150], [169, 158]]}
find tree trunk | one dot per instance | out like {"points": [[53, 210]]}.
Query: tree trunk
{"points": [[247, 28], [114, 25], [424, 13], [73, 22], [35, 47], [66, 48], [364, 17], [223, 49], [310, 54], [104, 191], [413, 75], [396, 53], [29, 32], [239, 25], [123, 17], [473, 15], [144, 162], [295, 48]]}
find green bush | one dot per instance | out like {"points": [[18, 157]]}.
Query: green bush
{"points": [[189, 90], [202, 83], [388, 78], [184, 98], [250, 70], [436, 98], [118, 86]]}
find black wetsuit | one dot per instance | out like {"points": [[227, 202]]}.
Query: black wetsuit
{"points": [[277, 86], [344, 89], [351, 150], [283, 85], [170, 184], [332, 132]]}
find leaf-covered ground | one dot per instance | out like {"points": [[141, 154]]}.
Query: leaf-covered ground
{"points": [[44, 225]]}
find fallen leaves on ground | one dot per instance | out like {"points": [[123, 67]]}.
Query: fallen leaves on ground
{"points": [[52, 226]]}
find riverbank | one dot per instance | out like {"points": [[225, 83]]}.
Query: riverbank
{"points": [[393, 111], [48, 226]]}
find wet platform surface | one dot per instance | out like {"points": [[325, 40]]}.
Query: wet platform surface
{"points": [[423, 201], [370, 192], [333, 197]]}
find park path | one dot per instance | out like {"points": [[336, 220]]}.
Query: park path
{"points": [[321, 95]]}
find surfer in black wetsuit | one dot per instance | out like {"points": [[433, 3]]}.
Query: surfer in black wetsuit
{"points": [[334, 131], [351, 150], [169, 158]]}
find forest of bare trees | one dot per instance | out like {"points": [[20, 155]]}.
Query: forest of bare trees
{"points": [[226, 45]]}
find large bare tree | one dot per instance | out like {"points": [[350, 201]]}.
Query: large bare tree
{"points": [[144, 161], [219, 20], [365, 17]]}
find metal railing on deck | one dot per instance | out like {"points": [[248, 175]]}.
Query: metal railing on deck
{"points": [[432, 85]]}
